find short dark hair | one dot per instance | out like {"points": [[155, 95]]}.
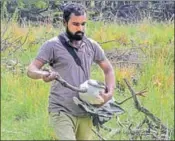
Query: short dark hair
{"points": [[75, 8]]}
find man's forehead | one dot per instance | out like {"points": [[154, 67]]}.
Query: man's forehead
{"points": [[81, 18]]}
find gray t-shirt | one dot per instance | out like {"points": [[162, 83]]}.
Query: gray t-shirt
{"points": [[61, 61]]}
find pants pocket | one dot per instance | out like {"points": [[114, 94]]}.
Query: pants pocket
{"points": [[63, 126]]}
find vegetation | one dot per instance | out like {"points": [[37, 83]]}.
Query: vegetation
{"points": [[50, 11], [24, 101]]}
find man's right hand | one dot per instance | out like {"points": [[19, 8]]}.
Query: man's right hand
{"points": [[48, 76], [34, 71]]}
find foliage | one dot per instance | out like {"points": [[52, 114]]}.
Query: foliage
{"points": [[116, 11]]}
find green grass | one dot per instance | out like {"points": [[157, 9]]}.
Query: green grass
{"points": [[24, 101]]}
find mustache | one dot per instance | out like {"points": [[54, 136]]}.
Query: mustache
{"points": [[79, 32]]}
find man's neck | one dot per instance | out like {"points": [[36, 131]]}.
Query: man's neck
{"points": [[76, 44]]}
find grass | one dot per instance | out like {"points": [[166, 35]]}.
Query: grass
{"points": [[24, 101]]}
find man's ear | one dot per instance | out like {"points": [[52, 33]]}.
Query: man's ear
{"points": [[64, 22]]}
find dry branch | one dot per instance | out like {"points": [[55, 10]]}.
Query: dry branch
{"points": [[108, 41], [97, 133], [140, 108], [139, 93], [67, 85]]}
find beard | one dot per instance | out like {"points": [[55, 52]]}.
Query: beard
{"points": [[76, 36]]}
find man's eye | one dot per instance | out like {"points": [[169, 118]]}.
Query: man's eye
{"points": [[83, 24], [76, 24]]}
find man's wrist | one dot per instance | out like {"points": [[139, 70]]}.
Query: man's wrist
{"points": [[110, 91], [43, 74]]}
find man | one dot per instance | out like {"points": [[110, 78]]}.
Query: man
{"points": [[69, 121]]}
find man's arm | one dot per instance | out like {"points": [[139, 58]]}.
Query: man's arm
{"points": [[109, 79], [34, 71]]}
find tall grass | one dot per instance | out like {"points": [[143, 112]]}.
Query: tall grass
{"points": [[24, 101]]}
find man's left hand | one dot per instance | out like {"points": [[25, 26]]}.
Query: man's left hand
{"points": [[106, 96]]}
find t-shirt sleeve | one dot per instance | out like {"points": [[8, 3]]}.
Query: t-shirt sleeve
{"points": [[99, 54], [45, 53]]}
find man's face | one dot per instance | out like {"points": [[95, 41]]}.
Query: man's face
{"points": [[75, 27]]}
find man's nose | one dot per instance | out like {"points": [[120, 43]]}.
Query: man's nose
{"points": [[80, 28]]}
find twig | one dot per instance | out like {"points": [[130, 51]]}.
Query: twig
{"points": [[20, 46], [106, 128], [65, 84], [144, 110], [108, 41], [139, 93], [131, 62], [98, 135], [127, 131], [6, 27]]}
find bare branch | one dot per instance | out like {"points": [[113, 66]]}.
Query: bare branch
{"points": [[97, 133], [144, 110], [66, 84], [108, 41], [139, 94]]}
